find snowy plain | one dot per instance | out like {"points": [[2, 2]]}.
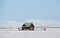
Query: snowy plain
{"points": [[37, 33], [48, 33]]}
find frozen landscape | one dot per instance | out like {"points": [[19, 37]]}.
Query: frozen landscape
{"points": [[40, 33], [11, 29], [30, 34], [38, 18]]}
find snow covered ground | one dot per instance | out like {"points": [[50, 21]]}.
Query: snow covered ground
{"points": [[49, 33], [9, 32], [30, 34]]}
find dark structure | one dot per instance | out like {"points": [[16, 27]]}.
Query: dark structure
{"points": [[28, 26]]}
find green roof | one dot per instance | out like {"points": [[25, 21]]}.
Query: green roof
{"points": [[27, 24]]}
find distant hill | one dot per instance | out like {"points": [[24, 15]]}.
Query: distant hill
{"points": [[37, 23]]}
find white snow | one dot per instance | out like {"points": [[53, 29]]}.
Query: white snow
{"points": [[30, 34], [36, 22], [49, 33], [37, 33]]}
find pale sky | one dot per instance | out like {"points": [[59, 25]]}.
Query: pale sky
{"points": [[29, 9], [20, 10]]}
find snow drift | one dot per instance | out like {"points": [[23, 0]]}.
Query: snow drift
{"points": [[37, 23]]}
